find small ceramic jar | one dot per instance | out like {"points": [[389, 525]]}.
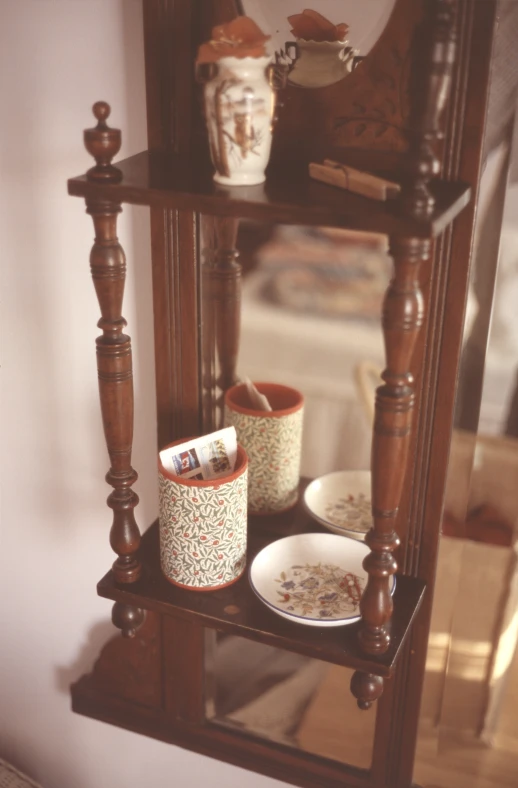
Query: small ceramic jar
{"points": [[273, 442], [203, 527], [317, 64]]}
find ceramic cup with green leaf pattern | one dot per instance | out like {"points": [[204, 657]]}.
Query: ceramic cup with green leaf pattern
{"points": [[273, 443], [203, 527]]}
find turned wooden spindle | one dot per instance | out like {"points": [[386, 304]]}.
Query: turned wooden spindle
{"points": [[402, 317], [114, 364], [222, 279], [436, 49]]}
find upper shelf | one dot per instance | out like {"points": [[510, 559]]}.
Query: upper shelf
{"points": [[237, 610], [288, 196]]}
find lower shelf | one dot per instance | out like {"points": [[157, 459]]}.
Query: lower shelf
{"points": [[144, 684], [237, 610], [264, 757]]}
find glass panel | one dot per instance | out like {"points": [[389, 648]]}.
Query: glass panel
{"points": [[468, 721], [287, 698], [364, 28], [310, 319]]}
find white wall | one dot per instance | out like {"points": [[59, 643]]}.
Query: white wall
{"points": [[56, 58]]}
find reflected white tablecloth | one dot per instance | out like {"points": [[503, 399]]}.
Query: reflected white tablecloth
{"points": [[318, 356]]}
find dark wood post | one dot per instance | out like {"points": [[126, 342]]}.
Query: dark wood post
{"points": [[435, 52], [403, 315], [222, 303], [114, 363], [208, 323], [227, 282]]}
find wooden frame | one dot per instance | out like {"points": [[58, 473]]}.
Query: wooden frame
{"points": [[168, 703]]}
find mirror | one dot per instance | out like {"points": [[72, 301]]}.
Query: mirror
{"points": [[310, 319], [468, 708], [286, 698], [332, 56], [310, 304]]}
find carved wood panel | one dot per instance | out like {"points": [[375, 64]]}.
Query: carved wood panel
{"points": [[368, 109], [131, 668]]}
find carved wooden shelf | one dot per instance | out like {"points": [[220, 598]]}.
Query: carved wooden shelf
{"points": [[237, 610], [288, 196], [153, 680]]}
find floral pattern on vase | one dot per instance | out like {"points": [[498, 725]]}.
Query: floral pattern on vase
{"points": [[273, 445], [203, 531], [320, 591], [238, 109]]}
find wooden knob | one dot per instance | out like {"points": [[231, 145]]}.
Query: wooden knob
{"points": [[101, 110], [127, 618], [103, 143], [366, 688]]}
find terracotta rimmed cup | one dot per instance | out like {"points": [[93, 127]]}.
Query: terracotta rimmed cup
{"points": [[273, 442], [203, 527]]}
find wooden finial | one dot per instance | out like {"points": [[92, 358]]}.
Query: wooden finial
{"points": [[103, 144], [127, 618], [366, 688]]}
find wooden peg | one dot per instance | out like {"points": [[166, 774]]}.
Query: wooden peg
{"points": [[127, 618], [366, 688], [103, 143]]}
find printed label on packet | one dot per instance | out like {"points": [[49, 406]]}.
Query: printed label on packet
{"points": [[208, 457]]}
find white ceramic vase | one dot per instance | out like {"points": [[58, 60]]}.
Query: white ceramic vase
{"points": [[239, 103]]}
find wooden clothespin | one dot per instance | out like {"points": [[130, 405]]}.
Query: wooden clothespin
{"points": [[345, 177]]}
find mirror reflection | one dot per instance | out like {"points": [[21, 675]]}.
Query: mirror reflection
{"points": [[286, 698], [310, 319], [319, 46], [310, 304], [468, 711]]}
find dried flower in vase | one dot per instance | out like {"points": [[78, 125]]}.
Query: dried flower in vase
{"points": [[239, 38], [312, 26]]}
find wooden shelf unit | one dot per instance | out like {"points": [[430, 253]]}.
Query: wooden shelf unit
{"points": [[152, 679], [237, 610], [161, 179]]}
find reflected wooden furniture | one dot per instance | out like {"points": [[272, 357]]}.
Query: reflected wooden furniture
{"points": [[387, 117]]}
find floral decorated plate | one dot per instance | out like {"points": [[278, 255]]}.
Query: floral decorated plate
{"points": [[341, 502], [313, 579]]}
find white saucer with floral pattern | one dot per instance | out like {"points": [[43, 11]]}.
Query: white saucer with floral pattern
{"points": [[341, 502], [313, 579]]}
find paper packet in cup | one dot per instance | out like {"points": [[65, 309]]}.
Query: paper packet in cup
{"points": [[208, 457]]}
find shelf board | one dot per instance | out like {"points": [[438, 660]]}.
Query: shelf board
{"points": [[237, 610], [288, 196]]}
